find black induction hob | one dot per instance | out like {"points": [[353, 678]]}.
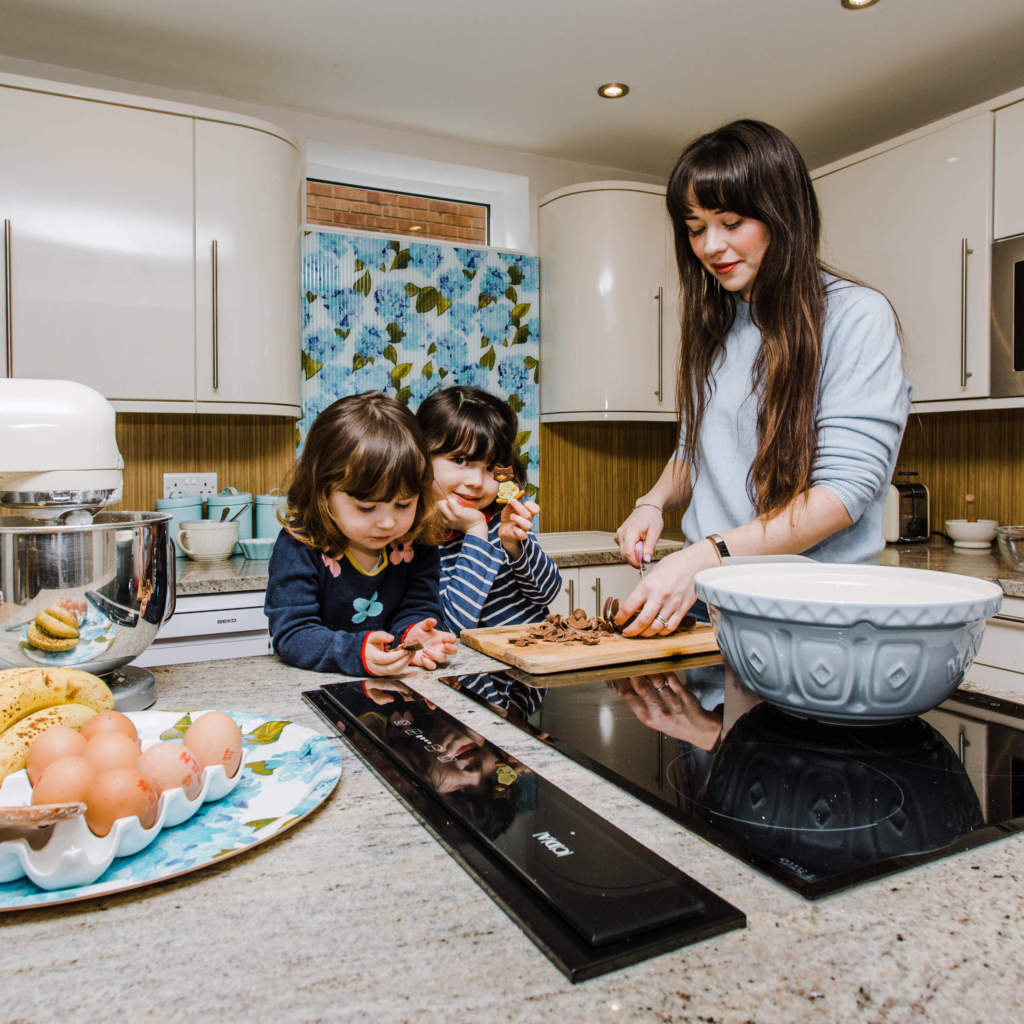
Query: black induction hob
{"points": [[818, 807], [591, 897]]}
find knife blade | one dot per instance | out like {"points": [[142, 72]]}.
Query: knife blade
{"points": [[638, 550]]}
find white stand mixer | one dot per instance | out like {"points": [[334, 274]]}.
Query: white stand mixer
{"points": [[59, 466]]}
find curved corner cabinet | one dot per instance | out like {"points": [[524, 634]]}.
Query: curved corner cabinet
{"points": [[110, 206], [609, 299]]}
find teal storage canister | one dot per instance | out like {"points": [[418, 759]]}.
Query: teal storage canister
{"points": [[182, 510], [267, 524], [236, 502]]}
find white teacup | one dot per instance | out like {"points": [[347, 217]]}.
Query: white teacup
{"points": [[207, 540]]}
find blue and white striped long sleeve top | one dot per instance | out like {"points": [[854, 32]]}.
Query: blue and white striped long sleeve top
{"points": [[481, 587]]}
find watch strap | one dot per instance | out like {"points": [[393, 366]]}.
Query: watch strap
{"points": [[720, 546]]}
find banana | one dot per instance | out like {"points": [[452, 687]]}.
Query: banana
{"points": [[15, 742], [24, 690]]}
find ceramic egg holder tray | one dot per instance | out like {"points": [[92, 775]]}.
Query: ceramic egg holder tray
{"points": [[73, 855]]}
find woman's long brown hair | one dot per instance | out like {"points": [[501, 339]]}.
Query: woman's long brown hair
{"points": [[754, 170]]}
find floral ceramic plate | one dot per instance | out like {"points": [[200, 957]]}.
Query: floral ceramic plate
{"points": [[289, 770]]}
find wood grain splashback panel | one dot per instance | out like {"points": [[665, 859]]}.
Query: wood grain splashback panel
{"points": [[252, 453], [976, 452]]}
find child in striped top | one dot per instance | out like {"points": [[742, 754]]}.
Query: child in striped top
{"points": [[493, 571]]}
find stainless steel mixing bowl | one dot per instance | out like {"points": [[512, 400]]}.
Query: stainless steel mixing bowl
{"points": [[116, 574]]}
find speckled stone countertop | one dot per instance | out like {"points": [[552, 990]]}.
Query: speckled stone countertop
{"points": [[357, 914], [238, 573], [939, 553]]}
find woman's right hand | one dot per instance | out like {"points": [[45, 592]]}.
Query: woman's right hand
{"points": [[645, 524]]}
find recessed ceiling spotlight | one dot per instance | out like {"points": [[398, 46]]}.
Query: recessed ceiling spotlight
{"points": [[415, 227], [856, 5], [612, 90]]}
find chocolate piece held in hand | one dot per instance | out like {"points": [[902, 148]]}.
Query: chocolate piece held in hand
{"points": [[508, 489], [411, 646]]}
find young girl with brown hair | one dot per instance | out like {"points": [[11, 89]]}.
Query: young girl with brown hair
{"points": [[790, 393], [347, 576]]}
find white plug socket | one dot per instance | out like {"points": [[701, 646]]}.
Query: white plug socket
{"points": [[182, 485]]}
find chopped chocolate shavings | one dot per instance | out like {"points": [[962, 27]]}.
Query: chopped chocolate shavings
{"points": [[579, 628], [411, 645]]}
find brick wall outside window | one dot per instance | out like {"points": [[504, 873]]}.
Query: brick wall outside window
{"points": [[346, 206]]}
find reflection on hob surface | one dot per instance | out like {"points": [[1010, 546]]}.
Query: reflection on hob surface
{"points": [[817, 806]]}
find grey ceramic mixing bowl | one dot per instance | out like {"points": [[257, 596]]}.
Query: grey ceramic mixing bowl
{"points": [[848, 643], [115, 574]]}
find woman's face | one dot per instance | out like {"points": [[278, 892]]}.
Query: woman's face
{"points": [[729, 246]]}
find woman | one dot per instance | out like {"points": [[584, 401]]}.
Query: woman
{"points": [[790, 394]]}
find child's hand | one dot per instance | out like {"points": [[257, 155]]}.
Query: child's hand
{"points": [[380, 659], [457, 516], [437, 644], [516, 519]]}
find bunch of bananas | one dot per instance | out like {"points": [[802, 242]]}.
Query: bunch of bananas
{"points": [[53, 630], [33, 700]]}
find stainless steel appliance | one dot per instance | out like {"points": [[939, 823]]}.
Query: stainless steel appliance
{"points": [[914, 512], [1008, 318], [114, 571]]}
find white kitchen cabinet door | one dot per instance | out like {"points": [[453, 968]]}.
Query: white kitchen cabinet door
{"points": [[1008, 214], [901, 221], [97, 200], [568, 597], [599, 582], [607, 304], [248, 185]]}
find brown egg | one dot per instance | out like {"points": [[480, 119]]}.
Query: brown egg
{"points": [[112, 750], [119, 793], [57, 742], [110, 721], [215, 739], [63, 781], [172, 765]]}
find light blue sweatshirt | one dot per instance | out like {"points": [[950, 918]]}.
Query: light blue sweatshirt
{"points": [[862, 411]]}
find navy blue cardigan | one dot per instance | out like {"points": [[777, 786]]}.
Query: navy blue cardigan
{"points": [[321, 610]]}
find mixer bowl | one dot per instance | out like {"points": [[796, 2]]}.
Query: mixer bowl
{"points": [[116, 575]]}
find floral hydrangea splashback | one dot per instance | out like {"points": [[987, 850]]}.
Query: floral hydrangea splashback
{"points": [[409, 318]]}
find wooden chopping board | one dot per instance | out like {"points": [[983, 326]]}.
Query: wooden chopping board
{"points": [[544, 656]]}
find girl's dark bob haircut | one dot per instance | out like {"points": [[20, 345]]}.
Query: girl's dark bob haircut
{"points": [[472, 424], [371, 447]]}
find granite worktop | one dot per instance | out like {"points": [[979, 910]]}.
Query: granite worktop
{"points": [[238, 573], [358, 914]]}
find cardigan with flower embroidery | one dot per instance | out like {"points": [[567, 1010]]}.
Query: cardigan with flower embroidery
{"points": [[321, 609]]}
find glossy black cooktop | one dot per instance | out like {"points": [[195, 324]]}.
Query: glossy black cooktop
{"points": [[818, 807]]}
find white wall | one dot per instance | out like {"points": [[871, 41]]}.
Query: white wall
{"points": [[544, 173]]}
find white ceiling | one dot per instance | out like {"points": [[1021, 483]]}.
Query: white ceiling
{"points": [[522, 74]]}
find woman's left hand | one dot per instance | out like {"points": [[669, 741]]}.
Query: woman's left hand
{"points": [[667, 593], [437, 644]]}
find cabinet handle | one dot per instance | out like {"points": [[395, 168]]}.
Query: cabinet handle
{"points": [[570, 589], [660, 299], [597, 595], [961, 745], [1004, 617], [964, 253], [216, 345], [8, 294]]}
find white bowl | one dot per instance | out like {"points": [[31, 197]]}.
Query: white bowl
{"points": [[256, 548], [854, 643], [965, 534]]}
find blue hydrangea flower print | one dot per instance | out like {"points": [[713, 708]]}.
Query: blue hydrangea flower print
{"points": [[494, 321], [452, 351], [366, 608], [471, 375], [494, 282], [343, 305], [452, 284], [390, 301], [513, 375], [372, 377], [425, 258], [526, 268], [321, 343], [371, 342], [372, 252], [462, 317], [471, 259], [423, 387]]}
